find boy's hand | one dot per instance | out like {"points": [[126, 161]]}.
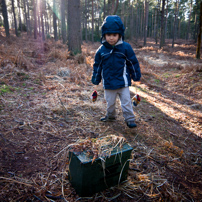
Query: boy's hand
{"points": [[94, 81]]}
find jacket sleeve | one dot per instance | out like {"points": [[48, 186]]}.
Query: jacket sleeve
{"points": [[97, 69], [133, 64]]}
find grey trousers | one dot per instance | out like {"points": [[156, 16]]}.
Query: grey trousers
{"points": [[125, 100]]}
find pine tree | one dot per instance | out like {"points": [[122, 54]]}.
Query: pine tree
{"points": [[74, 26]]}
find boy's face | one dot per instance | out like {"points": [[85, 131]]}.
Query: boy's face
{"points": [[112, 38]]}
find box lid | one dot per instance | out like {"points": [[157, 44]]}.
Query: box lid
{"points": [[85, 158]]}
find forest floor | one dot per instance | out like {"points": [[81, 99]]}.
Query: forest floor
{"points": [[45, 105]]}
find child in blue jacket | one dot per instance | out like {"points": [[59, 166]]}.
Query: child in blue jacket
{"points": [[116, 64]]}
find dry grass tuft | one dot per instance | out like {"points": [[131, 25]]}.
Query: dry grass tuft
{"points": [[192, 68]]}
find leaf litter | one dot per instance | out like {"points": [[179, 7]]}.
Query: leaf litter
{"points": [[45, 106]]}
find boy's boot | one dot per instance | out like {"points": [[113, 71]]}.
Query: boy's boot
{"points": [[131, 124], [106, 118]]}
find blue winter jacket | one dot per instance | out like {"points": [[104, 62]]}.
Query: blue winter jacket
{"points": [[115, 65]]}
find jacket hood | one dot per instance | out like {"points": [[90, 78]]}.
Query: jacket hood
{"points": [[113, 24]]}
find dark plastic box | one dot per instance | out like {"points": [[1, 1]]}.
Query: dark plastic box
{"points": [[89, 177]]}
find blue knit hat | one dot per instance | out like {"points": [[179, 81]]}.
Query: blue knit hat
{"points": [[113, 24]]}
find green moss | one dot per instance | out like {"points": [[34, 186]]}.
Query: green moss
{"points": [[5, 89], [177, 75], [166, 75], [23, 76]]}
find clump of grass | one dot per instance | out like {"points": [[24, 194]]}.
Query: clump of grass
{"points": [[157, 81], [177, 75], [166, 75], [6, 89], [23, 76], [192, 68]]}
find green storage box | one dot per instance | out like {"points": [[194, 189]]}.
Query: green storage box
{"points": [[89, 177]]}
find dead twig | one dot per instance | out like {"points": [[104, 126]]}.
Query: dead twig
{"points": [[15, 181]]}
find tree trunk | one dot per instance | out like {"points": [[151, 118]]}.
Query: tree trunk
{"points": [[123, 12], [19, 16], [55, 21], [108, 7], [42, 18], [5, 16], [85, 21], [63, 25], [132, 22], [28, 20], [188, 28], [114, 7], [92, 21], [35, 19], [179, 22], [46, 20], [175, 21], [155, 25], [157, 21], [199, 35], [162, 25], [195, 29], [166, 22], [104, 9], [39, 17], [74, 26], [25, 15], [146, 12], [141, 34], [136, 26], [14, 17]]}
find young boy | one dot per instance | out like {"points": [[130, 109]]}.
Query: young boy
{"points": [[116, 64]]}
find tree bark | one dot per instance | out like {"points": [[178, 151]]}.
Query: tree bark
{"points": [[188, 28], [25, 15], [166, 22], [199, 35], [104, 9], [162, 25], [155, 25], [5, 16], [86, 17], [74, 27], [46, 20], [137, 25], [35, 19], [115, 7], [19, 16], [175, 21], [42, 18], [132, 22], [108, 7], [157, 21], [92, 22], [14, 17], [38, 16], [146, 11], [123, 12], [195, 28], [28, 20], [55, 21], [63, 25]]}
